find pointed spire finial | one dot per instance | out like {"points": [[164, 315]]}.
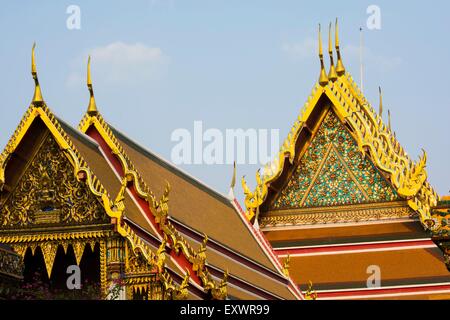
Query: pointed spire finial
{"points": [[233, 182], [389, 120], [340, 69], [332, 75], [37, 89], [381, 102], [92, 108], [323, 79]]}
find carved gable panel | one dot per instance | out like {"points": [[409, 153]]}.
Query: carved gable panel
{"points": [[49, 193], [334, 173]]}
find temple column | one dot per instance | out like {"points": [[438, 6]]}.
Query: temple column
{"points": [[114, 267]]}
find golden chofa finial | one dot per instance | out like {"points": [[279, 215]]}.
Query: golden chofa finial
{"points": [[92, 108], [332, 75], [340, 69], [37, 98], [323, 79], [381, 102]]}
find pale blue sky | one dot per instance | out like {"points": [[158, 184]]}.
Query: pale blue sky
{"points": [[161, 65]]}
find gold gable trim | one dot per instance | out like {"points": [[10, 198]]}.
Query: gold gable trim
{"points": [[338, 214], [114, 209], [159, 208], [409, 178]]}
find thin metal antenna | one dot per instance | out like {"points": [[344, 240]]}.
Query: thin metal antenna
{"points": [[361, 57]]}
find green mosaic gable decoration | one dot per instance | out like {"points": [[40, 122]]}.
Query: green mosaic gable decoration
{"points": [[333, 172]]}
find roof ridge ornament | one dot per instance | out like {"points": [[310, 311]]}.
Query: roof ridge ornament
{"points": [[233, 182], [340, 69], [37, 97], [332, 75], [389, 121], [323, 79], [381, 102], [92, 108]]}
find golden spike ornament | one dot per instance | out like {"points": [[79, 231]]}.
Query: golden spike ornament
{"points": [[323, 79], [92, 108], [332, 75], [381, 102], [340, 69], [37, 98], [389, 120], [233, 180], [233, 183]]}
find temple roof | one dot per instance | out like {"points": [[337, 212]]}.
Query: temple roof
{"points": [[193, 204], [79, 150], [374, 139], [192, 216], [196, 210]]}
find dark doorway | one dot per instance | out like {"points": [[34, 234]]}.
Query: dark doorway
{"points": [[37, 285]]}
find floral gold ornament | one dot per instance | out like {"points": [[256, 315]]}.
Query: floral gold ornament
{"points": [[39, 199]]}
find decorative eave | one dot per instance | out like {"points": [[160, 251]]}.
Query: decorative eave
{"points": [[113, 208], [374, 139], [159, 208]]}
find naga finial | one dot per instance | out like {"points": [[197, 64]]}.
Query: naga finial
{"points": [[92, 108], [323, 79], [286, 265], [37, 90], [310, 294], [121, 194], [204, 243], [340, 69], [332, 75]]}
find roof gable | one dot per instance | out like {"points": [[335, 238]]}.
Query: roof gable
{"points": [[333, 172], [39, 199], [374, 140]]}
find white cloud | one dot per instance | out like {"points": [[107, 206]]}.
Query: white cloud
{"points": [[120, 63]]}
